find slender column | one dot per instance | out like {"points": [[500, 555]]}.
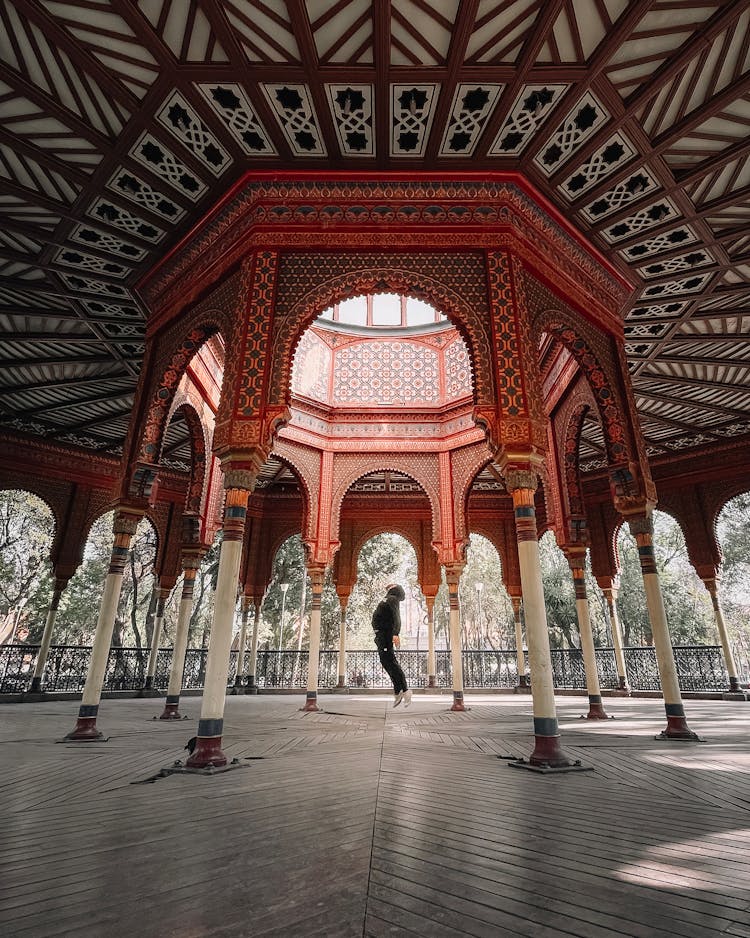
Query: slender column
{"points": [[677, 727], [85, 730], [238, 484], [431, 662], [523, 680], [245, 604], [453, 575], [343, 600], [252, 687], [49, 626], [177, 668], [317, 578], [712, 585], [596, 707], [521, 483], [161, 598], [610, 594]]}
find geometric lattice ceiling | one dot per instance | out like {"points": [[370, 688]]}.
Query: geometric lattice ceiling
{"points": [[121, 123]]}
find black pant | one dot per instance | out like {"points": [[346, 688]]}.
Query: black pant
{"points": [[384, 645]]}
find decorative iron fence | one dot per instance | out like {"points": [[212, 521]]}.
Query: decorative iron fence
{"points": [[699, 668]]}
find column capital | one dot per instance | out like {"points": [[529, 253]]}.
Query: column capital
{"points": [[575, 554], [317, 574], [521, 478], [127, 519], [191, 558], [641, 524], [241, 467], [609, 584], [453, 573]]}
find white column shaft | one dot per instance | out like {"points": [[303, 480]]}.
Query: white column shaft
{"points": [[537, 638], [177, 667], [342, 647], [313, 662], [102, 640], [587, 647], [670, 686], [220, 642]]}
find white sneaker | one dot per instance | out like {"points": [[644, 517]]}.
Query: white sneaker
{"points": [[407, 697], [399, 698]]}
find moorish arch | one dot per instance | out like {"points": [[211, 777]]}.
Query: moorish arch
{"points": [[489, 268], [453, 288]]}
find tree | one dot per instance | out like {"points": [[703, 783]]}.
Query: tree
{"points": [[686, 601], [384, 559], [26, 532]]}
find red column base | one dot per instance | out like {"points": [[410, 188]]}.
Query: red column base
{"points": [[207, 752], [85, 731], [342, 681], [458, 702], [431, 681], [596, 711], [311, 704], [171, 712], [548, 752], [677, 728]]}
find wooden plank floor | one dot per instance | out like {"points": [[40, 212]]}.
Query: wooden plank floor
{"points": [[369, 821]]}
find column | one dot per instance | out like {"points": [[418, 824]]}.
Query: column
{"points": [[522, 483], [49, 627], [245, 604], [677, 727], [610, 594], [343, 600], [317, 578], [190, 563], [252, 687], [453, 575], [85, 730], [596, 707], [523, 679], [712, 585], [431, 662], [238, 484], [162, 595]]}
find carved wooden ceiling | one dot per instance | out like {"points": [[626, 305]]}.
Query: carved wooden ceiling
{"points": [[123, 121]]}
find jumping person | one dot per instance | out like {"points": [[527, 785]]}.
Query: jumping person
{"points": [[386, 622]]}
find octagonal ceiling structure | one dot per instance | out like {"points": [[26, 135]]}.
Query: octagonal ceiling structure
{"points": [[123, 123]]}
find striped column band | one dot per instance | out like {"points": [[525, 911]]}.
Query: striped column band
{"points": [[525, 514], [579, 583], [235, 510], [210, 727]]}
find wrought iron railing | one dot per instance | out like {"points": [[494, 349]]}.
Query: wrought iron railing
{"points": [[699, 667]]}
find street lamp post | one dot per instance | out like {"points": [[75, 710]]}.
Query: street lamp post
{"points": [[284, 588], [479, 587]]}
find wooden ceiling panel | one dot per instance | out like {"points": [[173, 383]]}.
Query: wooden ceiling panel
{"points": [[121, 123]]}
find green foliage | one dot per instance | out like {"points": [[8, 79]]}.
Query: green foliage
{"points": [[486, 610], [384, 560], [26, 531], [686, 600]]}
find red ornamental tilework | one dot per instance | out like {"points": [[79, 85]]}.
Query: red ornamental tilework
{"points": [[308, 283], [386, 373], [312, 368], [249, 398], [593, 352], [528, 347], [457, 370], [465, 464], [571, 470], [160, 406], [508, 362], [422, 467]]}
